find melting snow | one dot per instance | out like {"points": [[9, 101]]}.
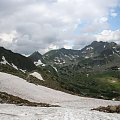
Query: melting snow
{"points": [[117, 51], [84, 52], [22, 70], [39, 63], [14, 66], [87, 75], [37, 75], [86, 57], [69, 56], [89, 48], [4, 61], [55, 68], [76, 55]]}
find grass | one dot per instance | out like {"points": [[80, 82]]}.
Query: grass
{"points": [[105, 85]]}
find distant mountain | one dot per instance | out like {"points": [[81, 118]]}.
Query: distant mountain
{"points": [[95, 48], [95, 72], [35, 56], [7, 57], [61, 56], [69, 56], [99, 54]]}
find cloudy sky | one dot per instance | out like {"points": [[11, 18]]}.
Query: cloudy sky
{"points": [[41, 25]]}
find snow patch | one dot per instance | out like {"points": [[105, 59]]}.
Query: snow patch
{"points": [[22, 70], [43, 64], [117, 51], [69, 57], [86, 57], [89, 48], [87, 75], [14, 66], [84, 52], [58, 60], [4, 61], [39, 63], [55, 68], [37, 75], [76, 56]]}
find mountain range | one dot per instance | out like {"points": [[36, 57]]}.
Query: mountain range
{"points": [[62, 57], [93, 71]]}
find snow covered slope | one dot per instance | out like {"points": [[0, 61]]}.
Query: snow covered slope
{"points": [[72, 107], [12, 112], [19, 87]]}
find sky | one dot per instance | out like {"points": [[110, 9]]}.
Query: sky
{"points": [[42, 25]]}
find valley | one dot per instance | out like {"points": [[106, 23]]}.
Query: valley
{"points": [[61, 84]]}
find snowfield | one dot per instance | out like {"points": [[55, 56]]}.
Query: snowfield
{"points": [[72, 107], [12, 112], [35, 93]]}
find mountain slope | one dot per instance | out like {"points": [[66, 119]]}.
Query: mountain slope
{"points": [[80, 71], [15, 60], [19, 87], [64, 56], [95, 48], [61, 56], [37, 58], [35, 93]]}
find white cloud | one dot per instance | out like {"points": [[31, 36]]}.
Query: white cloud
{"points": [[108, 35], [103, 19], [48, 24], [96, 25], [114, 14], [83, 40], [8, 37]]}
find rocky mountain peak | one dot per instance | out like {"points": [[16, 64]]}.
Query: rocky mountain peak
{"points": [[35, 56]]}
